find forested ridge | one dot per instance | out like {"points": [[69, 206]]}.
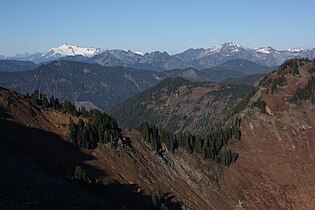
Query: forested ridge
{"points": [[179, 105]]}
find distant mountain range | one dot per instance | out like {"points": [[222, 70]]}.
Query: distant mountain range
{"points": [[93, 85], [81, 82], [159, 61], [16, 66], [56, 53]]}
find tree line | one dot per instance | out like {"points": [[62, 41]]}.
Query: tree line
{"points": [[99, 128], [306, 93], [211, 146], [44, 101]]}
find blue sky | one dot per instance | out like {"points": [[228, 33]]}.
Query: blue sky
{"points": [[147, 25]]}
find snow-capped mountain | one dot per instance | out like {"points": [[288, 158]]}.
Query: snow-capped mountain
{"points": [[218, 54], [55, 53], [65, 50], [72, 50], [272, 57], [197, 58]]}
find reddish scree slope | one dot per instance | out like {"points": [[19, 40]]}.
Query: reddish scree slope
{"points": [[276, 166]]}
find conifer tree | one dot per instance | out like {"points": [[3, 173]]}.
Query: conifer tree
{"points": [[73, 132]]}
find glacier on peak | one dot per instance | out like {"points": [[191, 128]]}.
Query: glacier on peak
{"points": [[71, 50]]}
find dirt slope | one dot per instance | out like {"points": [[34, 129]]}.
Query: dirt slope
{"points": [[276, 166]]}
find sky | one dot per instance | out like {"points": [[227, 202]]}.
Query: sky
{"points": [[161, 25]]}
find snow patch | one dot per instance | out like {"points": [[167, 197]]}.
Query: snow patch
{"points": [[139, 53], [156, 77], [214, 49], [85, 70], [295, 49], [262, 50]]}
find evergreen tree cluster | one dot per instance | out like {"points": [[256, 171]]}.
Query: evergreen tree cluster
{"points": [[42, 100], [306, 93], [155, 136], [280, 81], [100, 128], [217, 138], [260, 104], [311, 70], [80, 175], [211, 147], [158, 201], [241, 105], [292, 63]]}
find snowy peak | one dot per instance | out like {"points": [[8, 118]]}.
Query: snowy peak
{"points": [[265, 50], [214, 49], [197, 58], [71, 50], [231, 45], [139, 53], [228, 46], [295, 50]]}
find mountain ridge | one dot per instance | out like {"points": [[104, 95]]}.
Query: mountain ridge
{"points": [[99, 86], [179, 105], [16, 66], [200, 58], [274, 168]]}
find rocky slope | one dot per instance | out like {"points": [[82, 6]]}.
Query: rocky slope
{"points": [[277, 146], [276, 151], [35, 160], [274, 170]]}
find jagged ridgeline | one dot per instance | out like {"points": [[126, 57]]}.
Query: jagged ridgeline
{"points": [[179, 105]]}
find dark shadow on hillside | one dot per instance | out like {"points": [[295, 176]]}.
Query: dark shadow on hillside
{"points": [[34, 164], [131, 195], [3, 114], [50, 151]]}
